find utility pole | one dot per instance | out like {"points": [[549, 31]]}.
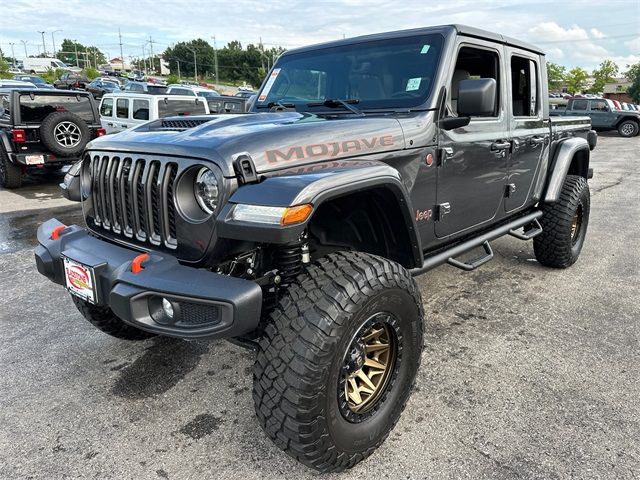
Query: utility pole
{"points": [[215, 57], [75, 44], [178, 62], [153, 65], [144, 59], [121, 54], [24, 44], [195, 63], [13, 55], [44, 47]]}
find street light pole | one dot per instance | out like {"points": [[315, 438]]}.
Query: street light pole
{"points": [[24, 44], [44, 46], [75, 44], [13, 55], [215, 57], [53, 41], [195, 63]]}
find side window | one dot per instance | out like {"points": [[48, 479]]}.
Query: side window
{"points": [[5, 112], [122, 108], [579, 105], [524, 87], [475, 63], [141, 109], [599, 106], [106, 109]]}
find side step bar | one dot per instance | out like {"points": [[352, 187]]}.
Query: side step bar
{"points": [[448, 256]]}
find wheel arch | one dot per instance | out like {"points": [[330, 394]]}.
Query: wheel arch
{"points": [[628, 117], [571, 157]]}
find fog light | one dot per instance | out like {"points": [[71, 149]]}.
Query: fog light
{"points": [[167, 308]]}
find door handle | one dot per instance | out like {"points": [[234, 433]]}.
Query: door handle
{"points": [[125, 126], [500, 145], [110, 124], [536, 140]]}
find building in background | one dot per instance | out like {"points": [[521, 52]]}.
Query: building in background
{"points": [[618, 90]]}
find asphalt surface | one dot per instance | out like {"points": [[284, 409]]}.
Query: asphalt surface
{"points": [[527, 372]]}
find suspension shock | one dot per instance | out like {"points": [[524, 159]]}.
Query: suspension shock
{"points": [[288, 260]]}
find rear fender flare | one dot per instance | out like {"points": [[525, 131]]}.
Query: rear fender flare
{"points": [[315, 184], [564, 156]]}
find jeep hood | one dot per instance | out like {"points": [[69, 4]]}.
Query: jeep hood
{"points": [[272, 140]]}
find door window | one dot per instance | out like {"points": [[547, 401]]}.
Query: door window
{"points": [[475, 63], [122, 108], [579, 105], [141, 109], [524, 87], [599, 106], [106, 109]]}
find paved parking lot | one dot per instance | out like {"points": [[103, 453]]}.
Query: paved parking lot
{"points": [[527, 372]]}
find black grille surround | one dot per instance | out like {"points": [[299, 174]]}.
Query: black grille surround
{"points": [[131, 200]]}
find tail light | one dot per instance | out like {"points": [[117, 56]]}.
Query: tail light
{"points": [[100, 132], [19, 135], [77, 84]]}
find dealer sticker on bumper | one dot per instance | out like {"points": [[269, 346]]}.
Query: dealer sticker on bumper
{"points": [[80, 280]]}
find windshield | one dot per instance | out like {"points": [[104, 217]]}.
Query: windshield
{"points": [[389, 73], [208, 94]]}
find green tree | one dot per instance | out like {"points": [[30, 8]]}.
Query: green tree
{"points": [[555, 76], [182, 53], [576, 80], [87, 56], [633, 75], [605, 73]]}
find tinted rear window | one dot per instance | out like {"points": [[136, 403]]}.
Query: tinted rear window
{"points": [[157, 89], [168, 107], [34, 110]]}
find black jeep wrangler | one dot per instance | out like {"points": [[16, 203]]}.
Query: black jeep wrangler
{"points": [[43, 129], [297, 231]]}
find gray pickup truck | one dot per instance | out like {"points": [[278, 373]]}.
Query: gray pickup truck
{"points": [[603, 114], [296, 230]]}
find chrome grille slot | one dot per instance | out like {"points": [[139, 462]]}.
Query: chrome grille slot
{"points": [[133, 198]]}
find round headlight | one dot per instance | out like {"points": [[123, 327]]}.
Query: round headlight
{"points": [[207, 190]]}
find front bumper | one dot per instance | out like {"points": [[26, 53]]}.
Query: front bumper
{"points": [[206, 304]]}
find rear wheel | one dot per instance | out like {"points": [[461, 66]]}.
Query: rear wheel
{"points": [[564, 225], [338, 359], [104, 319], [10, 174], [628, 128]]}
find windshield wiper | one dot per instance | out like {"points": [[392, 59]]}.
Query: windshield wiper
{"points": [[337, 102], [277, 104]]}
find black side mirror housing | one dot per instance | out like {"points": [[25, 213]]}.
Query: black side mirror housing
{"points": [[70, 187], [477, 97], [449, 123]]}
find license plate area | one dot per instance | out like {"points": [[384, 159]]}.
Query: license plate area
{"points": [[34, 159], [80, 280]]}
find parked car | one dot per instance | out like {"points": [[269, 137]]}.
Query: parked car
{"points": [[192, 91], [244, 93], [14, 70], [99, 87], [15, 84], [121, 111], [604, 116], [226, 104], [39, 82], [136, 76], [71, 81], [297, 232], [41, 65], [43, 129], [144, 87]]}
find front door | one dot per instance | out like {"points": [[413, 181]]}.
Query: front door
{"points": [[473, 161], [601, 115]]}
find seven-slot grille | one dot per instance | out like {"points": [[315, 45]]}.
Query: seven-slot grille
{"points": [[134, 197]]}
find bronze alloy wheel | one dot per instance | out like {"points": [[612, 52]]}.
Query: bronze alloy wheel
{"points": [[576, 223], [368, 367]]}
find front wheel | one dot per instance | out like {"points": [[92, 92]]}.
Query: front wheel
{"points": [[338, 359], [564, 225]]}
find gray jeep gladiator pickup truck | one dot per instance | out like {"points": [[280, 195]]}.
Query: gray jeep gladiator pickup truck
{"points": [[296, 230]]}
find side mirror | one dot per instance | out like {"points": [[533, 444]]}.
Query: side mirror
{"points": [[477, 97], [70, 187]]}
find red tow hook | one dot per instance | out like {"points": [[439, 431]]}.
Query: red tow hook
{"points": [[55, 233], [136, 263]]}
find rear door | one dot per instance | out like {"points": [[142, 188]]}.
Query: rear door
{"points": [[529, 132], [473, 165], [121, 120]]}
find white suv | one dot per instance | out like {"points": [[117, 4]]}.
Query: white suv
{"points": [[192, 91]]}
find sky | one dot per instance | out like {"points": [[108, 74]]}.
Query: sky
{"points": [[573, 33]]}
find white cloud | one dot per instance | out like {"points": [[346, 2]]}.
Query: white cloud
{"points": [[633, 45], [595, 33]]}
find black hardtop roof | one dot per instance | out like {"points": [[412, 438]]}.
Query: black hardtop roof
{"points": [[464, 30], [44, 91]]}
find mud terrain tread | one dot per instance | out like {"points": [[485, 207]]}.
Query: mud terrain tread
{"points": [[291, 364], [12, 173], [104, 319], [553, 246]]}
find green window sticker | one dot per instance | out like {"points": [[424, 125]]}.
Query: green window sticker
{"points": [[425, 49], [413, 84]]}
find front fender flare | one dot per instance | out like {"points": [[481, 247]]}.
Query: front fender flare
{"points": [[564, 155], [314, 184]]}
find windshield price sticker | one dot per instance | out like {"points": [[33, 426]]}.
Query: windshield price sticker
{"points": [[269, 84], [413, 84], [425, 49]]}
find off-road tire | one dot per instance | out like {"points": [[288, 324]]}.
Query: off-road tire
{"points": [[104, 319], [47, 136], [301, 355], [628, 128], [10, 174], [556, 246]]}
